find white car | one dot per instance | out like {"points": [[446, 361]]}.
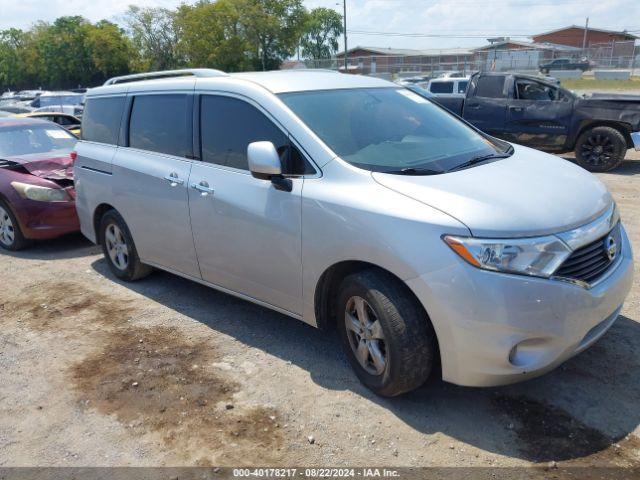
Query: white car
{"points": [[447, 86]]}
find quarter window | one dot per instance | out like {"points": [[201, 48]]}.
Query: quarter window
{"points": [[160, 123], [101, 119]]}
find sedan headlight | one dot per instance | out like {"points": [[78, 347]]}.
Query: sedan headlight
{"points": [[40, 194], [538, 257]]}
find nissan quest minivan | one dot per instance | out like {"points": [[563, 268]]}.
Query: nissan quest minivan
{"points": [[347, 201]]}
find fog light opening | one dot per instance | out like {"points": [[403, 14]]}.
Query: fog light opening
{"points": [[528, 353]]}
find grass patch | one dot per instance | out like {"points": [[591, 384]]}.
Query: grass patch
{"points": [[594, 85]]}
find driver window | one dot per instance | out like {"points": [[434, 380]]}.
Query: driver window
{"points": [[536, 91]]}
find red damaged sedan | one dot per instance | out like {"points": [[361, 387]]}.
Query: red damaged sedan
{"points": [[37, 198]]}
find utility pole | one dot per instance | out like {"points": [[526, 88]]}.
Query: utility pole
{"points": [[344, 18], [584, 38]]}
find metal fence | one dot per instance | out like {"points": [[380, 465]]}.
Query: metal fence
{"points": [[614, 55]]}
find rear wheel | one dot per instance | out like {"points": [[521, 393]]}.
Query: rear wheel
{"points": [[119, 249], [386, 334], [600, 149], [11, 237]]}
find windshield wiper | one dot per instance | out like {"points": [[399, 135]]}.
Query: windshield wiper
{"points": [[479, 159], [415, 171]]}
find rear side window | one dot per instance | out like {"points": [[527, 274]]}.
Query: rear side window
{"points": [[160, 123], [490, 86], [101, 119], [228, 125], [442, 87], [462, 86]]}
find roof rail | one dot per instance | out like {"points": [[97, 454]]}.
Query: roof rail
{"points": [[195, 72]]}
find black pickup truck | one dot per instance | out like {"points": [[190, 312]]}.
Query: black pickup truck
{"points": [[538, 113]]}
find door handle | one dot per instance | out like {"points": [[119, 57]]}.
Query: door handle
{"points": [[475, 106], [203, 188], [174, 180], [516, 109]]}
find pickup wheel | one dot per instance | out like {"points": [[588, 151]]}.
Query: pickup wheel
{"points": [[385, 332], [119, 249], [600, 149]]}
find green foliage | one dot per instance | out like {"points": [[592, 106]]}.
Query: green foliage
{"points": [[65, 54], [232, 35], [273, 28], [154, 35], [322, 30], [211, 35]]}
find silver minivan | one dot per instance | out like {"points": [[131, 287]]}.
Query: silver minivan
{"points": [[349, 202]]}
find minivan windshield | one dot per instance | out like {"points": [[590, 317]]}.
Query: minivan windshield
{"points": [[391, 130]]}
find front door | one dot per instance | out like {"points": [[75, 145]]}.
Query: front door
{"points": [[152, 176], [247, 233], [539, 115]]}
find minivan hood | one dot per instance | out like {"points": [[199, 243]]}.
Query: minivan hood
{"points": [[530, 193]]}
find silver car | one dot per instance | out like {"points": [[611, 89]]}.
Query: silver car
{"points": [[349, 202]]}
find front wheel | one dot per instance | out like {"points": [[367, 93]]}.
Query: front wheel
{"points": [[119, 249], [386, 334], [600, 149], [11, 237]]}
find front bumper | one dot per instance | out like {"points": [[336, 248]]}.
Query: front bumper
{"points": [[480, 316], [45, 220]]}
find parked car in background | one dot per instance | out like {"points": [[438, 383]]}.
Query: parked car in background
{"points": [[532, 111], [66, 121], [65, 102], [448, 74], [37, 197], [413, 80], [564, 64], [350, 202], [448, 86]]}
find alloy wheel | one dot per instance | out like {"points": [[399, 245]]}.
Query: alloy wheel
{"points": [[365, 335], [117, 247], [598, 150], [7, 230]]}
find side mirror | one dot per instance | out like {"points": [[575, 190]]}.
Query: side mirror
{"points": [[264, 163]]}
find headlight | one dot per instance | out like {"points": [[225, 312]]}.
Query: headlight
{"points": [[40, 194], [538, 257]]}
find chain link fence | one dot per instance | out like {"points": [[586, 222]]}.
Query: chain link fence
{"points": [[613, 55]]}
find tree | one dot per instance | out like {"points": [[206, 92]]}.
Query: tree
{"points": [[13, 72], [273, 28], [321, 32], [211, 35], [154, 35], [110, 50], [62, 49]]}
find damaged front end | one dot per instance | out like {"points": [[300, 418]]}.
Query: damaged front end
{"points": [[58, 170]]}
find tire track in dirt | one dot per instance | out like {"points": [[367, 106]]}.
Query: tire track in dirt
{"points": [[152, 380]]}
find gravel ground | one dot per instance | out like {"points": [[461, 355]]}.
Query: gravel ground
{"points": [[95, 372]]}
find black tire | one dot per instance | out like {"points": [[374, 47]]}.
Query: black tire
{"points": [[133, 269], [19, 241], [600, 149], [409, 344]]}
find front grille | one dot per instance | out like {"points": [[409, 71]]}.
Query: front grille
{"points": [[590, 262]]}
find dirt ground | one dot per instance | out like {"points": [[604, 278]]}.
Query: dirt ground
{"points": [[94, 372]]}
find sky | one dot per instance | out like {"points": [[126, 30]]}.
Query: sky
{"points": [[416, 24]]}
